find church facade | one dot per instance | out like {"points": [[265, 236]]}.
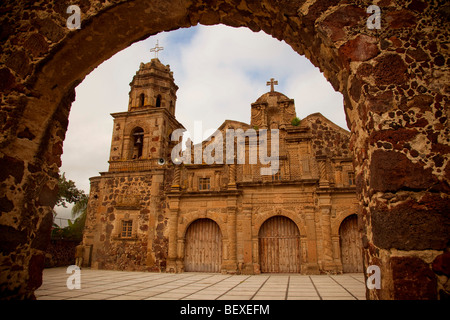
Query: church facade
{"points": [[149, 213]]}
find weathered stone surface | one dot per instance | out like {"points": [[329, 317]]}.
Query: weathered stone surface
{"points": [[391, 171], [389, 69], [7, 79], [401, 19], [48, 196], [11, 239], [441, 264], [344, 17], [413, 279], [381, 103], [11, 167], [412, 225], [20, 63], [36, 44], [362, 48]]}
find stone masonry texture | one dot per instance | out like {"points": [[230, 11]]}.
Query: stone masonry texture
{"points": [[394, 81]]}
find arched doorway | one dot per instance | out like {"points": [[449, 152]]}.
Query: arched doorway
{"points": [[279, 246], [203, 247], [351, 247]]}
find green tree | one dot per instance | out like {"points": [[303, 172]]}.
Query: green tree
{"points": [[69, 193]]}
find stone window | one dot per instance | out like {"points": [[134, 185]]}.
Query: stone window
{"points": [[276, 176], [127, 228], [204, 183], [126, 224], [141, 100], [158, 101], [351, 178]]}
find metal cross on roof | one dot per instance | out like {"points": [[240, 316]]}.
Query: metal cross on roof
{"points": [[156, 49], [271, 83]]}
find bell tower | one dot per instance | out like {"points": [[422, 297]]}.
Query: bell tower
{"points": [[141, 135], [153, 86]]}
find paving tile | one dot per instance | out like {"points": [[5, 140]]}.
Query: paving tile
{"points": [[338, 298], [123, 285], [263, 297], [235, 297], [171, 295], [199, 296], [125, 297], [303, 298], [94, 296]]}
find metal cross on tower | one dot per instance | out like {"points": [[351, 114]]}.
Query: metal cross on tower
{"points": [[156, 49], [271, 83]]}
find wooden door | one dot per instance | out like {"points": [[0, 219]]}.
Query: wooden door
{"points": [[203, 247], [279, 246], [351, 245]]}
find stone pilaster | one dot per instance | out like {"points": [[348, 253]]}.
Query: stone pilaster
{"points": [[173, 253], [230, 265], [310, 266]]}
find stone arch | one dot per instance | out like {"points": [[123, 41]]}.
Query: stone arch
{"points": [[130, 127], [337, 223], [279, 245], [136, 143], [394, 96], [188, 219], [263, 217]]}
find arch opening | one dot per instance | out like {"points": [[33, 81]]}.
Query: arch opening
{"points": [[383, 80], [351, 245], [203, 247], [137, 143], [279, 246]]}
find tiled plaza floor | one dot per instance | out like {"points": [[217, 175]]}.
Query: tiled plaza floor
{"points": [[123, 285]]}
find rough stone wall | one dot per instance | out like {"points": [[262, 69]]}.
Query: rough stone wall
{"points": [[118, 197], [328, 139], [395, 87], [60, 253]]}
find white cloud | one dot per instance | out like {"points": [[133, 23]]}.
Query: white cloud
{"points": [[220, 71]]}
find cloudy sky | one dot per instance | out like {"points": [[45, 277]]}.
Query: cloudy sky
{"points": [[219, 70]]}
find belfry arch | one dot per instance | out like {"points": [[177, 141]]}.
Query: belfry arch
{"points": [[394, 98]]}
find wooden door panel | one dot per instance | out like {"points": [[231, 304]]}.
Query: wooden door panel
{"points": [[351, 246], [203, 247], [279, 246]]}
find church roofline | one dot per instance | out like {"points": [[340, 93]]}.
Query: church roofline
{"points": [[318, 114]]}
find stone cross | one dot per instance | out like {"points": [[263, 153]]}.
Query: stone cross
{"points": [[156, 49], [271, 83]]}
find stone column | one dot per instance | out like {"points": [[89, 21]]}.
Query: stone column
{"points": [[336, 253], [325, 220], [232, 177], [323, 174], [310, 266], [173, 234], [339, 177], [244, 239], [231, 263], [176, 178], [326, 235], [217, 180], [180, 255]]}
